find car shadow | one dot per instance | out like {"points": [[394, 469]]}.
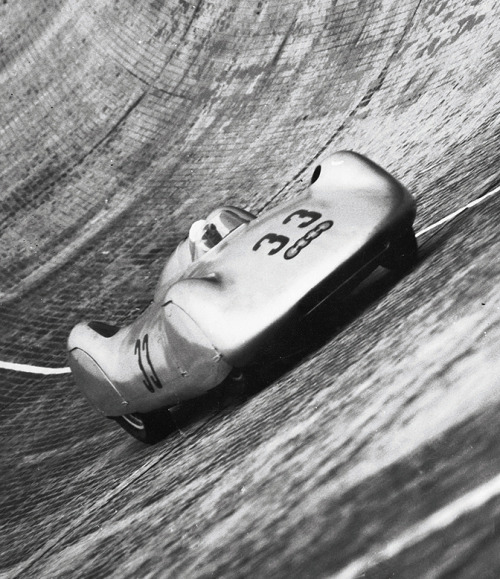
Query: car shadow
{"points": [[300, 340]]}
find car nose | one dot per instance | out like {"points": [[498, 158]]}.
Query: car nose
{"points": [[87, 343]]}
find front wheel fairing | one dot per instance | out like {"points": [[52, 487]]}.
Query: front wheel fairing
{"points": [[158, 361]]}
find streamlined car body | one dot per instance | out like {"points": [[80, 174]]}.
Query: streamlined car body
{"points": [[216, 312]]}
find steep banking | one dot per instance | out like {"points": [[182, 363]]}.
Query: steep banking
{"points": [[109, 104], [122, 123]]}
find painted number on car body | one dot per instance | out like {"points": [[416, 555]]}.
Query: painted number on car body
{"points": [[151, 380], [301, 218], [271, 239], [310, 217]]}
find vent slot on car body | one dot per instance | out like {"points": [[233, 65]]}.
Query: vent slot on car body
{"points": [[316, 174]]}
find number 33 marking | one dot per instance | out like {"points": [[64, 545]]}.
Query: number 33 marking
{"points": [[310, 216], [305, 219], [272, 238]]}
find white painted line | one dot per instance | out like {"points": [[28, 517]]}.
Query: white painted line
{"points": [[456, 213], [33, 369], [439, 520]]}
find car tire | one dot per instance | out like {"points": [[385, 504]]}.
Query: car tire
{"points": [[148, 427], [402, 253]]}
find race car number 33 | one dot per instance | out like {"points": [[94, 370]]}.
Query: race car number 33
{"points": [[301, 218]]}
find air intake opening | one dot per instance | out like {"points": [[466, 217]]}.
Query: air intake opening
{"points": [[105, 330], [316, 174]]}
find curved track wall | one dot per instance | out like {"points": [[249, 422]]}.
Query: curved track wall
{"points": [[121, 124]]}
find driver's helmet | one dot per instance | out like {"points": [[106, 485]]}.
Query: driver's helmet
{"points": [[206, 233], [203, 235]]}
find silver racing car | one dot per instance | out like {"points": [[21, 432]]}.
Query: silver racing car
{"points": [[234, 283]]}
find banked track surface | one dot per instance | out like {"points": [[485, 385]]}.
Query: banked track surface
{"points": [[123, 123]]}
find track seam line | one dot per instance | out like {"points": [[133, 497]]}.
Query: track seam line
{"points": [[441, 519], [49, 546], [66, 370]]}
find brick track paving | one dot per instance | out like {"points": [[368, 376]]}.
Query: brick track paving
{"points": [[122, 123]]}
